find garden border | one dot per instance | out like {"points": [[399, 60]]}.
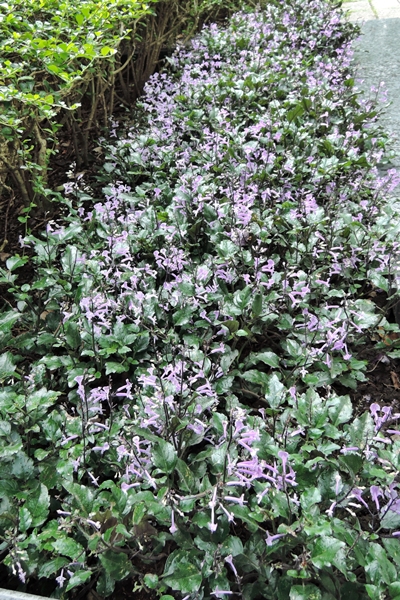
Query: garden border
{"points": [[12, 595]]}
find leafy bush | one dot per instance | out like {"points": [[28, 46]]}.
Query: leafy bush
{"points": [[53, 55], [68, 65], [168, 406]]}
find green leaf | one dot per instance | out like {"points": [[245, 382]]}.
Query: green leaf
{"points": [[201, 519], [305, 592], [361, 430], [8, 319], [256, 377], [295, 113], [218, 457], [183, 316], [257, 305], [232, 325], [77, 579], [227, 249], [327, 552], [72, 334], [22, 466], [243, 332], [116, 564], [187, 482], [70, 262], [139, 512], [232, 545], [224, 384], [390, 519], [245, 514], [365, 315], [394, 589], [15, 261], [293, 348], [275, 393], [181, 573], [241, 298], [379, 280], [228, 357], [25, 519], [106, 51], [309, 498], [164, 456], [151, 580], [68, 547], [38, 504], [307, 103], [268, 358], [378, 567], [311, 379], [340, 409], [5, 428], [52, 566], [7, 366], [83, 496], [392, 548], [115, 367]]}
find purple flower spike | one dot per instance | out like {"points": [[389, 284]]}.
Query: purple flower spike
{"points": [[173, 529], [376, 492], [356, 493], [283, 456], [229, 560]]}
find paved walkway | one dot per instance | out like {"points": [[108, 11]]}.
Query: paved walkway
{"points": [[366, 10], [377, 56]]}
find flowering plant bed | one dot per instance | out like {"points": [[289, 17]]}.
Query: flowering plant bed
{"points": [[175, 404]]}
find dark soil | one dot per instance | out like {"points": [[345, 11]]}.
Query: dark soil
{"points": [[382, 384]]}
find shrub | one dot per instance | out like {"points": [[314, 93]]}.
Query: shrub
{"points": [[68, 66]]}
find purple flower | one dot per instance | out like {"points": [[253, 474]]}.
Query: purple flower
{"points": [[273, 538], [61, 579], [173, 529], [101, 449], [212, 504], [241, 501], [349, 449], [376, 493], [229, 560], [284, 457], [395, 506], [125, 391], [126, 486]]}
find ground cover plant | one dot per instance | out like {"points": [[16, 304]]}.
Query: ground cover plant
{"points": [[169, 405]]}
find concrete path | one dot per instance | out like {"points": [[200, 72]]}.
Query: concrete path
{"points": [[366, 10], [377, 57]]}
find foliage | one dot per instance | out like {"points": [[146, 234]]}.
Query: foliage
{"points": [[52, 56], [169, 376], [67, 66]]}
